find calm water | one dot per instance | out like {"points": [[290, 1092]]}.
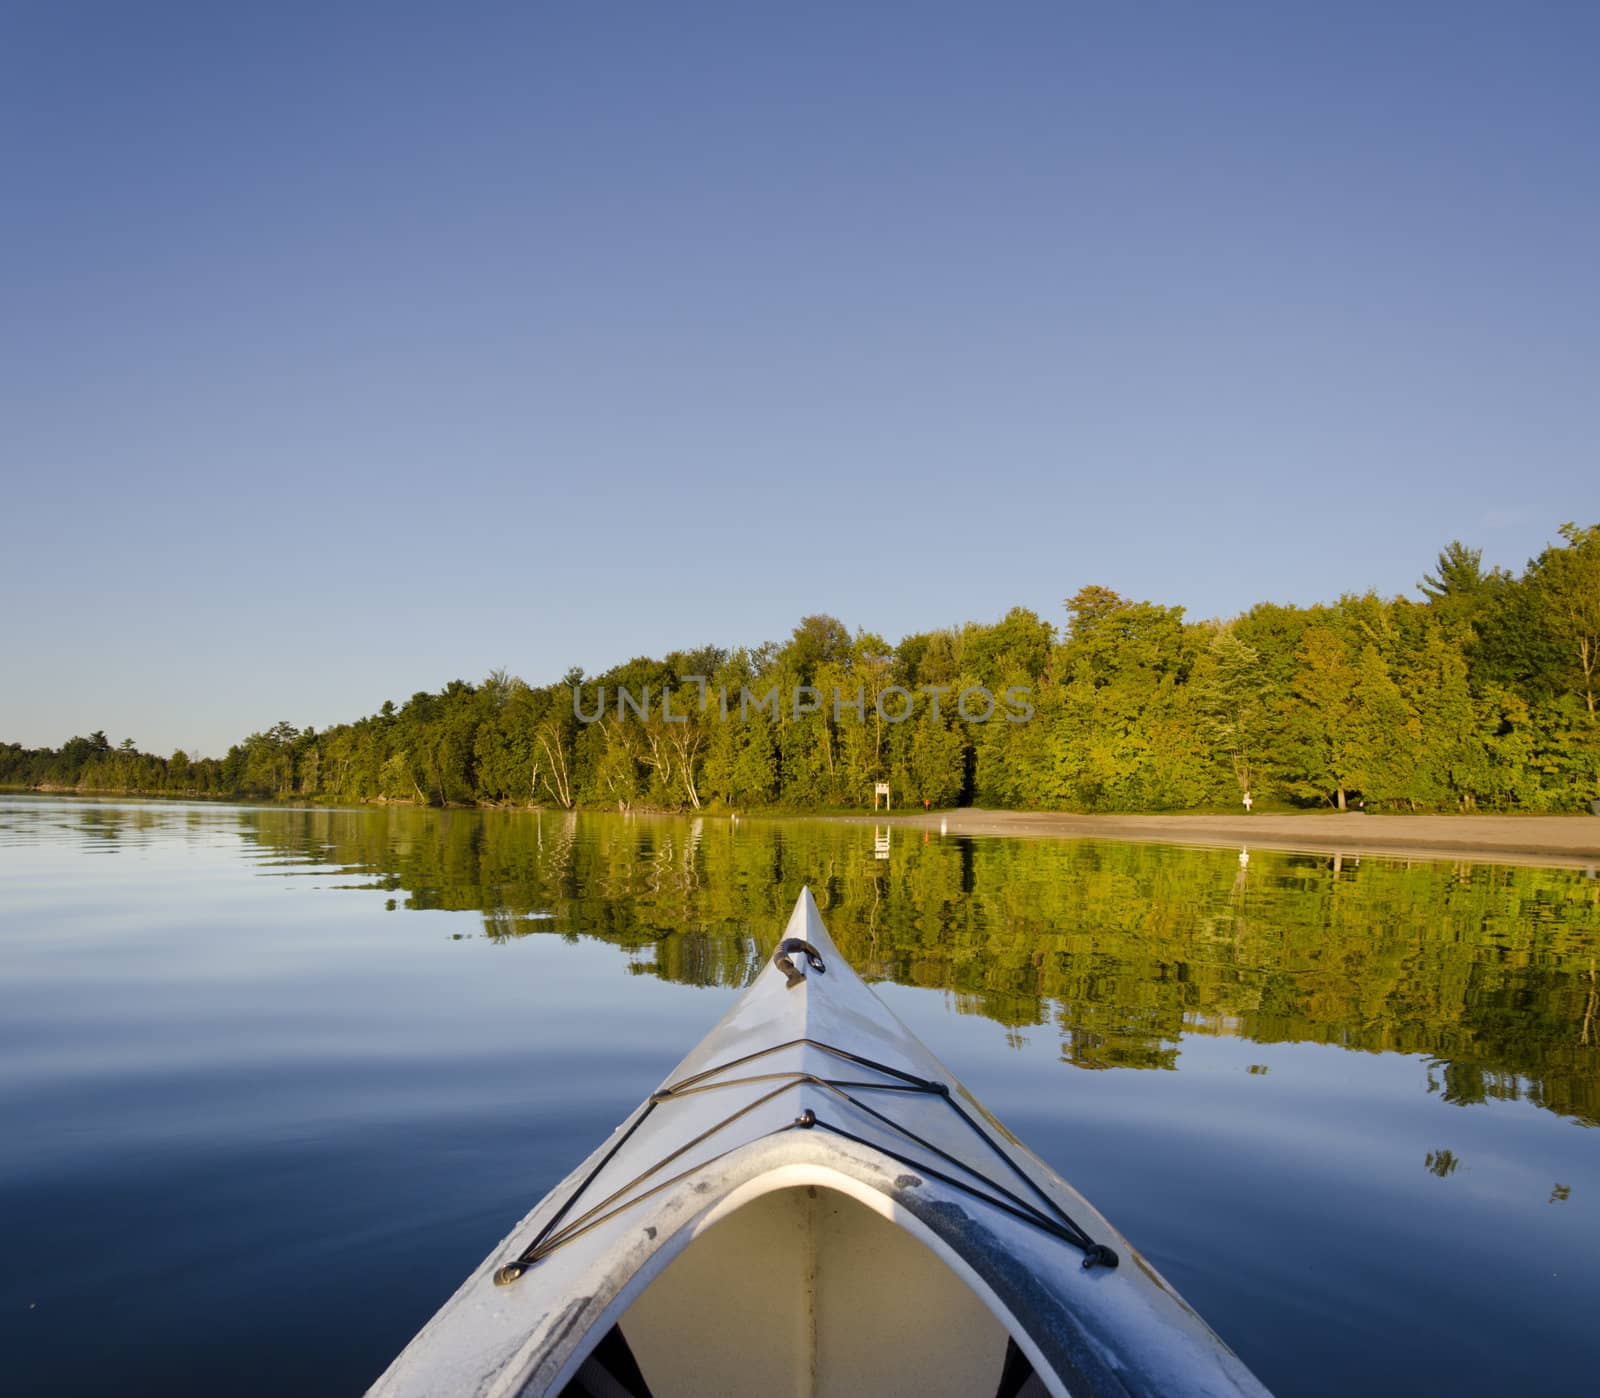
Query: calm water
{"points": [[272, 1081]]}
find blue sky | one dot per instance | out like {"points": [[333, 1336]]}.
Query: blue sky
{"points": [[348, 349]]}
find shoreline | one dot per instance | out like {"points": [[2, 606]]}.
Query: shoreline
{"points": [[1567, 841], [1561, 841]]}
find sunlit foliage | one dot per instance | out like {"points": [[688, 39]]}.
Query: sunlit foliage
{"points": [[1480, 696]]}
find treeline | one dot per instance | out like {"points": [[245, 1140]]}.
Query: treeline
{"points": [[1481, 695]]}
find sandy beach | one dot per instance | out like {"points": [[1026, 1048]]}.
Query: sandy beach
{"points": [[1570, 840]]}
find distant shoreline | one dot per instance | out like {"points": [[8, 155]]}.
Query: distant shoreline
{"points": [[1568, 841], [1571, 841]]}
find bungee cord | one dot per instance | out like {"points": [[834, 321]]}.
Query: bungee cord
{"points": [[1045, 1214]]}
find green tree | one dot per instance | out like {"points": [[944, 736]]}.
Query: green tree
{"points": [[1568, 581], [1231, 697], [1325, 750], [1458, 573]]}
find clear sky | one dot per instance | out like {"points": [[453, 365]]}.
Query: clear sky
{"points": [[346, 349]]}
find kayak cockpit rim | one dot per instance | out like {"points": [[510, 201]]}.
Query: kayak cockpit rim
{"points": [[559, 1229], [795, 1177]]}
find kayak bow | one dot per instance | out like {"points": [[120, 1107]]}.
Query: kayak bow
{"points": [[811, 1204]]}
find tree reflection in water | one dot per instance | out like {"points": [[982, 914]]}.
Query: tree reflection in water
{"points": [[1123, 949]]}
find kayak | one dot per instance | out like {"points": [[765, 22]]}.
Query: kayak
{"points": [[810, 1204]]}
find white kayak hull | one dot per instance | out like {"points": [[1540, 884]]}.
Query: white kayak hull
{"points": [[811, 1204]]}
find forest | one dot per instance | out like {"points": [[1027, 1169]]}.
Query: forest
{"points": [[1479, 694]]}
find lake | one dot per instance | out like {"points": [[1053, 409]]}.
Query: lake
{"points": [[272, 1081]]}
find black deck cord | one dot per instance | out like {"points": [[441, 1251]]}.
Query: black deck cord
{"points": [[933, 1089], [547, 1240], [696, 1083], [513, 1270], [677, 1088]]}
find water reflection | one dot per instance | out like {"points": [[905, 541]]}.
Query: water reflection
{"points": [[1122, 950]]}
